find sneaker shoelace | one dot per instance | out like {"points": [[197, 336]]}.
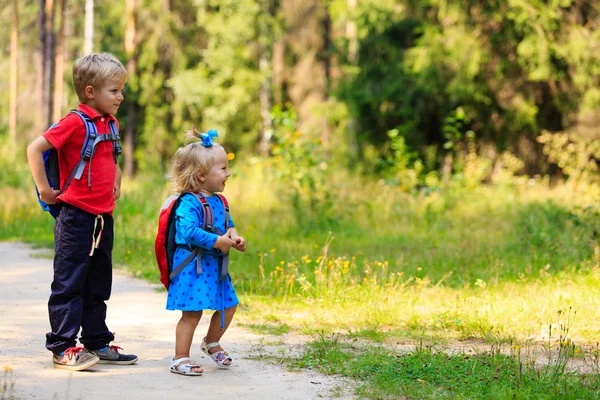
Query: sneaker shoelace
{"points": [[115, 348], [73, 351]]}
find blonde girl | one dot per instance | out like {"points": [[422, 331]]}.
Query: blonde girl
{"points": [[201, 169]]}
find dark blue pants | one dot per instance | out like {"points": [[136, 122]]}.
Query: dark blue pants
{"points": [[82, 283]]}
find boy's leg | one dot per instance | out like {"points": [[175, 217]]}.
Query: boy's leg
{"points": [[95, 334], [71, 262]]}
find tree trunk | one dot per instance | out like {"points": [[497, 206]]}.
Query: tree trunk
{"points": [[351, 35], [279, 71], [326, 27], [14, 74], [129, 144], [88, 45], [60, 62], [40, 120], [269, 9], [265, 103], [48, 63]]}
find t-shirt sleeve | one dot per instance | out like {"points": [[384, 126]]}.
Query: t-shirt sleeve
{"points": [[189, 220], [61, 132]]}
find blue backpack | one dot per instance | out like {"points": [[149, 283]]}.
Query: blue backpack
{"points": [[87, 151]]}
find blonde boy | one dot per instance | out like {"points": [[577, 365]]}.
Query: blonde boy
{"points": [[83, 233]]}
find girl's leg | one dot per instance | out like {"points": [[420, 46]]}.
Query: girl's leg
{"points": [[215, 332], [184, 334]]}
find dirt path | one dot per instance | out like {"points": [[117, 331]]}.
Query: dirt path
{"points": [[136, 313]]}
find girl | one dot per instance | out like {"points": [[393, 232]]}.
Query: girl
{"points": [[200, 169]]}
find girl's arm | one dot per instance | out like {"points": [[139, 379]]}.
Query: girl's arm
{"points": [[189, 220]]}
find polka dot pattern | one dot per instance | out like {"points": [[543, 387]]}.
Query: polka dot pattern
{"points": [[190, 291]]}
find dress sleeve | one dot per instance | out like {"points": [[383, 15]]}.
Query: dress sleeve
{"points": [[189, 220]]}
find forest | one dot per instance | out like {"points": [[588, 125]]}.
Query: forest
{"points": [[385, 85], [405, 172]]}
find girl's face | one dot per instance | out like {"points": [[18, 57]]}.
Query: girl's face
{"points": [[214, 180]]}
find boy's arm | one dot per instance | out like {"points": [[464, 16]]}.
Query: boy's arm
{"points": [[117, 188], [38, 171]]}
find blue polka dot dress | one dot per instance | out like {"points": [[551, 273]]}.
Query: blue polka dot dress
{"points": [[190, 291]]}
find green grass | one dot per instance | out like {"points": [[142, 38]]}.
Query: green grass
{"points": [[492, 265], [425, 373]]}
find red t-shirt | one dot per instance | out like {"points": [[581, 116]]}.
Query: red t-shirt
{"points": [[67, 138]]}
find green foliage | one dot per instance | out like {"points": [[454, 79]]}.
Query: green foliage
{"points": [[414, 75], [226, 79], [300, 169], [576, 155], [13, 171], [426, 373]]}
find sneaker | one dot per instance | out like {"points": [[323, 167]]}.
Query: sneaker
{"points": [[75, 359], [111, 355]]}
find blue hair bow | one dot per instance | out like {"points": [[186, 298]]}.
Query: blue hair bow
{"points": [[207, 138]]}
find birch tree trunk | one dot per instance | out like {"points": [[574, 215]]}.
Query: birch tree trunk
{"points": [[265, 88], [88, 44], [129, 144], [60, 62], [265, 104], [14, 74]]}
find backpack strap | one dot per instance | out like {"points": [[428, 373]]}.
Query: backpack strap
{"points": [[226, 206], [185, 262], [89, 146], [207, 225], [86, 150], [116, 140], [225, 260]]}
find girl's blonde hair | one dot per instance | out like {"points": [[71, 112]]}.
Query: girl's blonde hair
{"points": [[190, 162]]}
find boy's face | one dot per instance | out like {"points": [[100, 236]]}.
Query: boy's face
{"points": [[107, 99], [214, 180]]}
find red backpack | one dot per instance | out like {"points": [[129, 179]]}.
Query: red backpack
{"points": [[165, 246]]}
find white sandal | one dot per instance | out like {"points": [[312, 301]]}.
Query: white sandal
{"points": [[184, 366], [219, 357]]}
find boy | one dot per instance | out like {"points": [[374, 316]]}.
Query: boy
{"points": [[83, 233]]}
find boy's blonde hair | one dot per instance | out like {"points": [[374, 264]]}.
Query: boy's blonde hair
{"points": [[190, 162], [95, 70]]}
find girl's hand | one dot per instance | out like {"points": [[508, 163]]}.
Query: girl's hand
{"points": [[240, 244], [224, 243]]}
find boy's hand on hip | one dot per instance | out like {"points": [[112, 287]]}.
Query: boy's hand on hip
{"points": [[116, 192], [49, 197]]}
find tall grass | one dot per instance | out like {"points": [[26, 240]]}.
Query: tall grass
{"points": [[491, 262]]}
